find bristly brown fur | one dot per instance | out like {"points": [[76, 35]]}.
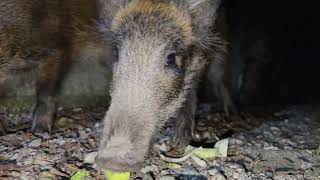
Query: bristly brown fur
{"points": [[40, 35], [149, 86], [168, 10]]}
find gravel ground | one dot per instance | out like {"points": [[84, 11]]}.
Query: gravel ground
{"points": [[279, 145]]}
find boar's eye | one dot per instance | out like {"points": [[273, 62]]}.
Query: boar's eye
{"points": [[171, 60], [174, 61]]}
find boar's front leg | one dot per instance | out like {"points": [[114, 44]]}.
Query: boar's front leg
{"points": [[216, 75], [185, 123], [49, 79]]}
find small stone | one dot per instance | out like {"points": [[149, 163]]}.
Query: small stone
{"points": [[77, 109], [98, 125], [27, 160], [268, 174], [148, 177], [152, 168], [236, 175], [167, 178], [217, 177], [46, 167], [214, 172], [61, 142], [305, 165], [90, 157], [163, 147], [47, 176], [270, 148], [199, 162], [14, 156], [35, 143]]}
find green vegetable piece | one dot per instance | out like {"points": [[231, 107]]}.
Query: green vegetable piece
{"points": [[116, 175], [222, 147], [80, 175], [207, 153], [174, 166], [220, 150]]}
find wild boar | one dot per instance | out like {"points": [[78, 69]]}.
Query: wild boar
{"points": [[162, 48], [43, 35]]}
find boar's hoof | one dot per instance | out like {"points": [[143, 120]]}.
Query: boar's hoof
{"points": [[2, 128], [205, 135], [178, 143], [42, 119]]}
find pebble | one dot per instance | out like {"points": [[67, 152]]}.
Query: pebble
{"points": [[60, 141], [305, 165], [214, 172], [98, 125], [268, 174], [14, 156], [270, 148], [162, 147], [35, 143], [87, 130], [27, 160], [46, 167], [236, 175], [167, 178], [217, 177], [148, 177], [90, 157], [77, 109], [152, 168], [199, 162], [47, 175]]}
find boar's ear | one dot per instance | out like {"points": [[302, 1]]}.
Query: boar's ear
{"points": [[108, 9], [203, 14]]}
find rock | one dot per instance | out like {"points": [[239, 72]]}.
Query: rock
{"points": [[214, 172], [90, 157], [162, 147], [27, 160], [236, 175], [167, 178], [199, 162], [217, 177], [60, 141], [87, 130], [268, 174], [47, 176], [35, 143], [148, 177], [77, 110], [46, 167], [153, 168], [270, 148]]}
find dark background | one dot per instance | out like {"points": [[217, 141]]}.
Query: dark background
{"points": [[290, 31]]}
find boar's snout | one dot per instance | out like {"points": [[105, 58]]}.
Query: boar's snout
{"points": [[118, 156]]}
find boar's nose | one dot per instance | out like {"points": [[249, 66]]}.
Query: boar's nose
{"points": [[120, 155], [118, 164]]}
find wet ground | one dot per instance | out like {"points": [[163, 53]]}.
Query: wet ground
{"points": [[266, 144]]}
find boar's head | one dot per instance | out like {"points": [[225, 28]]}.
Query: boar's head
{"points": [[157, 46]]}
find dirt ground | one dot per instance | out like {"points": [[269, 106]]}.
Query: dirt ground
{"points": [[268, 144]]}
